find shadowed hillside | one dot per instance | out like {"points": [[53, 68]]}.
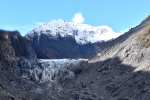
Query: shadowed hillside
{"points": [[21, 45]]}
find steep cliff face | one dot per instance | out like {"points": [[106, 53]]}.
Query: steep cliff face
{"points": [[64, 47], [62, 39], [50, 48], [21, 45], [7, 52]]}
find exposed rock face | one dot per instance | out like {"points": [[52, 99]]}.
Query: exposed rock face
{"points": [[64, 47], [62, 39], [19, 44], [7, 52]]}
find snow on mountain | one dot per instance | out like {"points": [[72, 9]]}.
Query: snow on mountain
{"points": [[82, 33]]}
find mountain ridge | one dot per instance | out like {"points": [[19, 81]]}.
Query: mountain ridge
{"points": [[82, 33], [131, 33], [62, 39]]}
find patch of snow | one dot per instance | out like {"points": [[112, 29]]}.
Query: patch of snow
{"points": [[82, 33]]}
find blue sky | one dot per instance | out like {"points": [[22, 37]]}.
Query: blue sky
{"points": [[120, 15]]}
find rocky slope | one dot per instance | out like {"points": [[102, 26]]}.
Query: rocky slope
{"points": [[118, 72], [62, 39]]}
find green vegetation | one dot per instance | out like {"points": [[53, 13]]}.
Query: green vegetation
{"points": [[50, 56], [144, 37]]}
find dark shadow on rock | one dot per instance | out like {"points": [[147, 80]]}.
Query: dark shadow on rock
{"points": [[103, 80], [21, 45], [109, 79]]}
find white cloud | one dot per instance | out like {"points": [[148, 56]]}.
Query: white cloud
{"points": [[123, 31], [78, 18], [39, 23]]}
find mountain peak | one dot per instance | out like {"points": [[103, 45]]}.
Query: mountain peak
{"points": [[82, 33]]}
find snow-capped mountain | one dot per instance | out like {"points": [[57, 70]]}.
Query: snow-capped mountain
{"points": [[82, 33], [62, 39]]}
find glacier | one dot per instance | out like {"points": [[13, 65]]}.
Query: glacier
{"points": [[43, 70]]}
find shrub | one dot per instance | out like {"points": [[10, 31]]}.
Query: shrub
{"points": [[144, 37]]}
